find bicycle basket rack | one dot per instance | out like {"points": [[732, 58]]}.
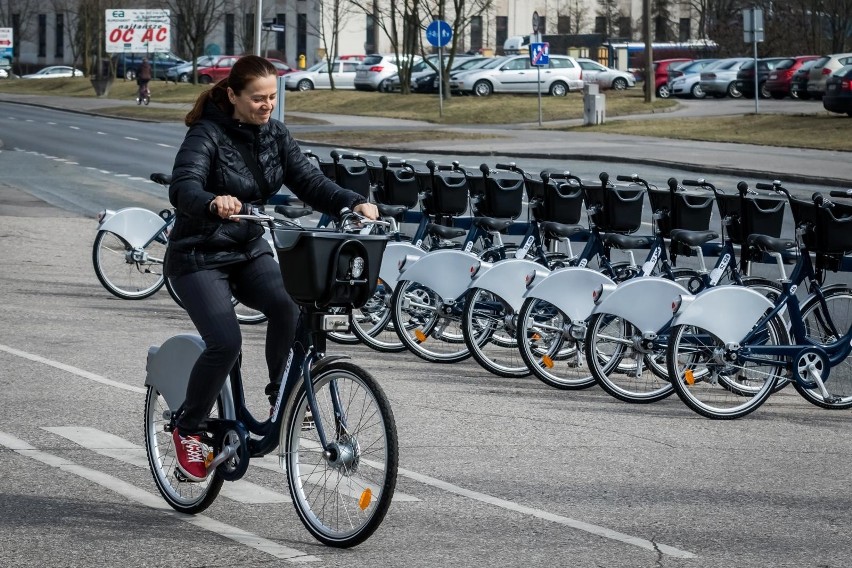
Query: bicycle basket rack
{"points": [[502, 195], [326, 268], [681, 210], [826, 230], [750, 216], [618, 208]]}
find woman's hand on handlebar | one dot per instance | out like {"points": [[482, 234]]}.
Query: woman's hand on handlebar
{"points": [[368, 210], [225, 205]]}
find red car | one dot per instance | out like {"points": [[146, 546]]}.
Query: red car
{"points": [[222, 67], [780, 79], [661, 75]]}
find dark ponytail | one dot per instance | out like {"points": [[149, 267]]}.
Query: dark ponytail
{"points": [[245, 70]]}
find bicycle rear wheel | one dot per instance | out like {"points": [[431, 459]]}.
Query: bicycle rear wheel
{"points": [[128, 273], [184, 496], [489, 330], [341, 495], [371, 323], [718, 383]]}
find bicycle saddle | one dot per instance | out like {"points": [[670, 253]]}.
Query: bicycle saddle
{"points": [[693, 238], [771, 244]]}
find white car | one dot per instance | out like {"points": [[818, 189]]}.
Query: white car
{"points": [[515, 74], [687, 86], [375, 70], [605, 77], [55, 71], [316, 77]]}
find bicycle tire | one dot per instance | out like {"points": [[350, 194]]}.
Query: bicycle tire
{"points": [[123, 275], [427, 329], [816, 320], [372, 322], [547, 347], [341, 499], [745, 387], [183, 496], [490, 335]]}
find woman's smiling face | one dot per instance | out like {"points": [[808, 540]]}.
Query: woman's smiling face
{"points": [[255, 103]]}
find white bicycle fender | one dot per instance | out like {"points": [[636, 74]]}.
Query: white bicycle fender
{"points": [[728, 312], [169, 366], [507, 279], [394, 252], [134, 224], [446, 272], [570, 289], [645, 302]]}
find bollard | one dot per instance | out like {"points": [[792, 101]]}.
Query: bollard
{"points": [[594, 105]]}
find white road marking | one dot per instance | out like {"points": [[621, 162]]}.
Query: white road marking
{"points": [[431, 481], [103, 133], [74, 127], [131, 138], [117, 448], [52, 123], [165, 145], [133, 493]]}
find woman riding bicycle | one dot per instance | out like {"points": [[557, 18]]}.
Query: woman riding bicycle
{"points": [[143, 76], [234, 154]]}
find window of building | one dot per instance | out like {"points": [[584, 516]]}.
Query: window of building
{"points": [[661, 31], [59, 36], [248, 32], [542, 25], [370, 37], [476, 33], [301, 35], [563, 24], [625, 27], [281, 37], [229, 33], [42, 35], [684, 29], [501, 26], [600, 25]]}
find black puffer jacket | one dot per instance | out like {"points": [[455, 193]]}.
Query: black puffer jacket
{"points": [[209, 164]]}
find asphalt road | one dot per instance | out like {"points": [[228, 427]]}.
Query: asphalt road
{"points": [[502, 472]]}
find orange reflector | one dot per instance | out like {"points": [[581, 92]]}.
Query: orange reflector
{"points": [[366, 497], [688, 377], [535, 337], [208, 459], [421, 337], [547, 361]]}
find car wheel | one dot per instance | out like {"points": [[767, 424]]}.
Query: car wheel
{"points": [[482, 89], [305, 85], [382, 87], [733, 91], [130, 74], [619, 83], [764, 92], [205, 79], [663, 92], [697, 92], [558, 89], [183, 78]]}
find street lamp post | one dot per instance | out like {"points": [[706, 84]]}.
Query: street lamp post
{"points": [[257, 26]]}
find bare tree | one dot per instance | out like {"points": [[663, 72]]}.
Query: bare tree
{"points": [[577, 14], [70, 10], [197, 18], [20, 16], [333, 15], [244, 23], [612, 14]]}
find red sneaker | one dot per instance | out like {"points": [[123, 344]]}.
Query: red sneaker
{"points": [[190, 456]]}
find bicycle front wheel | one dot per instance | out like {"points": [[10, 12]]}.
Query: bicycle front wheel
{"points": [[341, 493], [488, 324], [126, 272], [718, 383], [182, 495], [371, 323]]}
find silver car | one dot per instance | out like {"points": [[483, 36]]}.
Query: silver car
{"points": [[824, 67], [375, 70], [342, 71], [720, 79], [515, 74], [605, 77]]}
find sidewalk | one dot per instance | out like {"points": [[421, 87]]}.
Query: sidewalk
{"points": [[793, 165]]}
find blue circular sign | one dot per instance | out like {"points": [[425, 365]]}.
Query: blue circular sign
{"points": [[439, 33]]}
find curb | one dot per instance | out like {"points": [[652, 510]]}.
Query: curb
{"points": [[79, 111]]}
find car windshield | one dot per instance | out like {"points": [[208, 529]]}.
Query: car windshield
{"points": [[725, 64], [464, 64], [317, 66], [786, 64], [372, 60], [821, 62], [494, 63]]}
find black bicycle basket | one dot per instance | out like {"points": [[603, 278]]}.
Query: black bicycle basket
{"points": [[447, 195], [751, 216], [563, 203], [327, 268], [682, 210], [503, 195], [398, 186], [353, 175], [618, 209], [827, 230]]}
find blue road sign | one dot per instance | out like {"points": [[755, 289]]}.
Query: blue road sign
{"points": [[540, 54], [439, 33]]}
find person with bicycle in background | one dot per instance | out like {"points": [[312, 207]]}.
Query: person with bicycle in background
{"points": [[234, 154], [143, 76]]}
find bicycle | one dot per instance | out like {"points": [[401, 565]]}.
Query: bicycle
{"points": [[727, 366], [331, 421], [143, 95]]}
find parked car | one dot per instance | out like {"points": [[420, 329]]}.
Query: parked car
{"points": [[824, 67], [745, 76], [375, 69], [780, 79], [799, 81], [55, 72], [218, 69], [428, 82], [317, 77], [515, 74], [183, 73], [838, 91], [661, 75], [685, 81], [280, 66], [720, 80], [126, 64], [605, 77], [421, 69]]}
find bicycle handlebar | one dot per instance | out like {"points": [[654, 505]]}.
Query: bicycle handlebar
{"points": [[841, 193]]}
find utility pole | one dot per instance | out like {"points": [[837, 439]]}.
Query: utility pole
{"points": [[258, 12], [649, 54]]}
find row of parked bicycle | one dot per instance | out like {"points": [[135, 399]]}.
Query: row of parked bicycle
{"points": [[722, 339]]}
